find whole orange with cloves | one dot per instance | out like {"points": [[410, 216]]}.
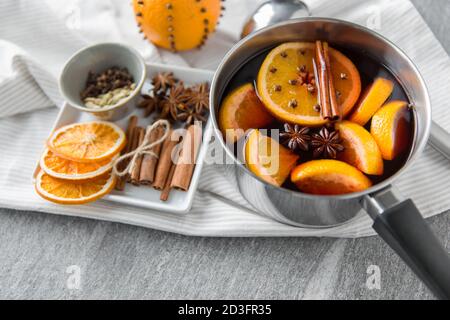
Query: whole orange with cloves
{"points": [[177, 24]]}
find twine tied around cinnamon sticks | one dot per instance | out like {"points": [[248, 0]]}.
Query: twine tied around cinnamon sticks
{"points": [[145, 148]]}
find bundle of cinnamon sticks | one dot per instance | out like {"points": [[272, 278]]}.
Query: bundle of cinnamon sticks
{"points": [[172, 163], [329, 107]]}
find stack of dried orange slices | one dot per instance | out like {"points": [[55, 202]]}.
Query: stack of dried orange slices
{"points": [[76, 167]]}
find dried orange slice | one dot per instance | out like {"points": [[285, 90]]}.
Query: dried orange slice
{"points": [[267, 159], [73, 192], [329, 177], [87, 142], [284, 75], [391, 129], [72, 170]]}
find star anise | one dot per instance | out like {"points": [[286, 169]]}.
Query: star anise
{"points": [[295, 137], [306, 78], [175, 100], [199, 97], [326, 143], [149, 104], [163, 81], [188, 114]]}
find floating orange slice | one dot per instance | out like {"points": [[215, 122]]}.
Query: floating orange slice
{"points": [[242, 110], [360, 148], [87, 142], [267, 159], [73, 192], [329, 177], [283, 90], [71, 170], [391, 129], [372, 100]]}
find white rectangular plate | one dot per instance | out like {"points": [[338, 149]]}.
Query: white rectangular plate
{"points": [[143, 196]]}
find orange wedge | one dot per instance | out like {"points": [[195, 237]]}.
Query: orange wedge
{"points": [[391, 129], [360, 148], [329, 177], [267, 159], [372, 100], [282, 88], [242, 110], [61, 168], [73, 192], [87, 142]]}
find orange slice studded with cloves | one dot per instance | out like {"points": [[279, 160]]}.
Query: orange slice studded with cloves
{"points": [[286, 83]]}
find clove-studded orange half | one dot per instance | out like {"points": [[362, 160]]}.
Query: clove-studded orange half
{"points": [[287, 87], [177, 24]]}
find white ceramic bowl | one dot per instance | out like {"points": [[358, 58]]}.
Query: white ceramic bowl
{"points": [[98, 58]]}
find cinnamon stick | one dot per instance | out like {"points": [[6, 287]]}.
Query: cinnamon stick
{"points": [[165, 161], [316, 78], [325, 106], [167, 187], [133, 145], [134, 177], [335, 109], [149, 162], [188, 156], [132, 123]]}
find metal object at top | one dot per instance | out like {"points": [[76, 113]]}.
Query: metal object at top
{"points": [[272, 12]]}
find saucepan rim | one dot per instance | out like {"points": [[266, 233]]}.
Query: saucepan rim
{"points": [[419, 142]]}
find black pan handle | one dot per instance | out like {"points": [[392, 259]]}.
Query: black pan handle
{"points": [[404, 229]]}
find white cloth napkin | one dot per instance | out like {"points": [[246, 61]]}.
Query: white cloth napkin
{"points": [[36, 39]]}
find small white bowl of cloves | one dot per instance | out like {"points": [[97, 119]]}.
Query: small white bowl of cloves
{"points": [[104, 80]]}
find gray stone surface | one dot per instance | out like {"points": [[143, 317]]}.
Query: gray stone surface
{"points": [[120, 261]]}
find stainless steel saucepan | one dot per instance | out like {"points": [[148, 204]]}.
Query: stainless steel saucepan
{"points": [[396, 220]]}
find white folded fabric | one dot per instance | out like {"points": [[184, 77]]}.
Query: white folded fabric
{"points": [[36, 40]]}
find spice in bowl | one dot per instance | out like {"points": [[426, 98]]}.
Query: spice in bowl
{"points": [[107, 88]]}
